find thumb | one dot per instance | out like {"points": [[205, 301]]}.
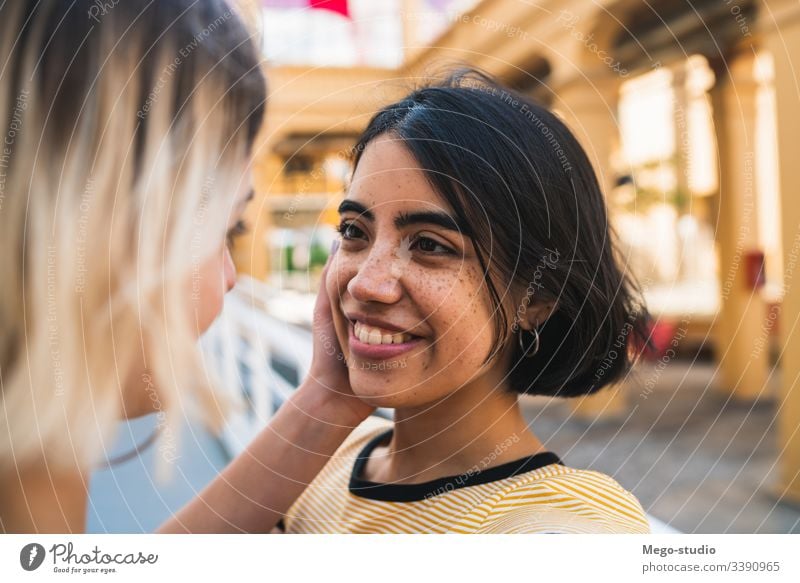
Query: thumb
{"points": [[322, 306]]}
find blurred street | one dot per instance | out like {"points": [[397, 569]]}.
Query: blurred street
{"points": [[696, 459]]}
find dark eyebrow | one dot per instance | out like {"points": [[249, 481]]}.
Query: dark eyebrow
{"points": [[351, 205], [441, 219]]}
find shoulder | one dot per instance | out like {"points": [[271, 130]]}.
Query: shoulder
{"points": [[560, 499]]}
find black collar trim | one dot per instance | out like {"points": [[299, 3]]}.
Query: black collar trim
{"points": [[389, 492]]}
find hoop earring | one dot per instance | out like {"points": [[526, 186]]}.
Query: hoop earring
{"points": [[525, 350]]}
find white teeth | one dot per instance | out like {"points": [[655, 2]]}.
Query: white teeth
{"points": [[371, 335]]}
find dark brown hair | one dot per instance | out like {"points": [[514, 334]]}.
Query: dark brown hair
{"points": [[528, 195]]}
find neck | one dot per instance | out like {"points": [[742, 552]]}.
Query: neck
{"points": [[38, 499], [477, 427]]}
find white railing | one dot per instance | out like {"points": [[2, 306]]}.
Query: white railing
{"points": [[258, 361]]}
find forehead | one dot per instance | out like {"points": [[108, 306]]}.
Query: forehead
{"points": [[388, 174]]}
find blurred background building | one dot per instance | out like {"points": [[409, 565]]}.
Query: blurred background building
{"points": [[689, 110]]}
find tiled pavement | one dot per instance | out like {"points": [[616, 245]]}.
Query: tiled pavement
{"points": [[697, 460]]}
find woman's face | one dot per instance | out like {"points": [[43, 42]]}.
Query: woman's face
{"points": [[409, 300], [205, 291], [216, 276]]}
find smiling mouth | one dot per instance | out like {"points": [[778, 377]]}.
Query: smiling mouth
{"points": [[375, 335], [390, 345]]}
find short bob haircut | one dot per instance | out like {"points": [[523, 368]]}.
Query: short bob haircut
{"points": [[524, 188]]}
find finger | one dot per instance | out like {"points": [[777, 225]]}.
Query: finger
{"points": [[322, 305], [334, 247], [322, 309], [324, 276]]}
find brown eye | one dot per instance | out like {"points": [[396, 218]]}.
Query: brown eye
{"points": [[239, 229], [348, 230], [431, 247]]}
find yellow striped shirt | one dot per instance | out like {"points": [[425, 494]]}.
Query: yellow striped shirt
{"points": [[534, 495]]}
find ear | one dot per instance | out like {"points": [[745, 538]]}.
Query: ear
{"points": [[537, 314]]}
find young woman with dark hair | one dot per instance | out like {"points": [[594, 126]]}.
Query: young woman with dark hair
{"points": [[128, 132], [476, 263]]}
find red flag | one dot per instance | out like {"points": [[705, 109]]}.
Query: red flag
{"points": [[338, 6]]}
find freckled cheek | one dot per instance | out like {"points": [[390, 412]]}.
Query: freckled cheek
{"points": [[466, 316], [465, 340], [340, 272], [445, 302]]}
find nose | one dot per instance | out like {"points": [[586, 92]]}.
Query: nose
{"points": [[228, 270], [377, 279]]}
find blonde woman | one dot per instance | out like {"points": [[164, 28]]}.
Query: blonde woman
{"points": [[123, 165]]}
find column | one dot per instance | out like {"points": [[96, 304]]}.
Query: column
{"points": [[251, 252], [412, 12], [783, 41], [680, 118], [740, 323], [589, 107]]}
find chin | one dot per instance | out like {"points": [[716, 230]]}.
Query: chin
{"points": [[370, 388], [373, 389]]}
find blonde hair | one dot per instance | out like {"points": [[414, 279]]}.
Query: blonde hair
{"points": [[128, 125]]}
